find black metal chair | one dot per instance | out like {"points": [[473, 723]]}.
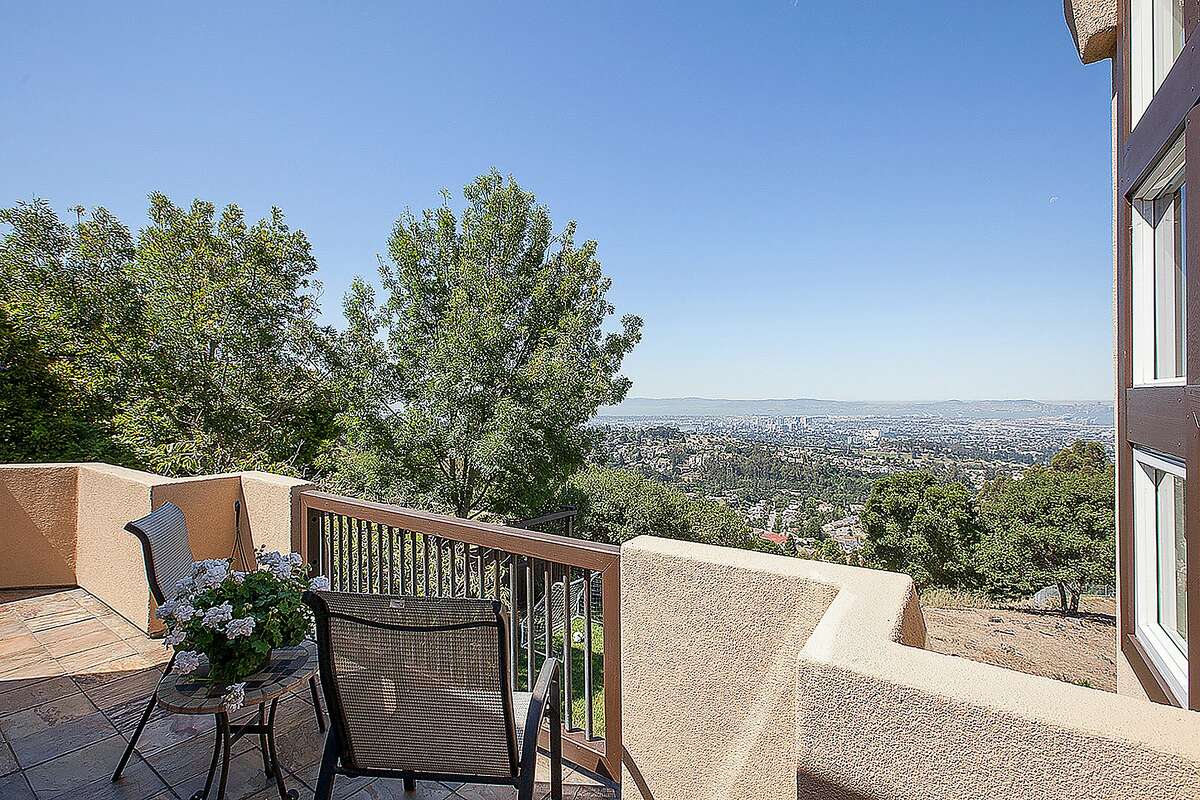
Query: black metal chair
{"points": [[167, 552], [418, 689]]}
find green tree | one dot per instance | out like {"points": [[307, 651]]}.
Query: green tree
{"points": [[616, 505], [489, 353], [921, 526], [1050, 527], [193, 347], [1081, 456]]}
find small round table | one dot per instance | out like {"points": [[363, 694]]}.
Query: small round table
{"points": [[289, 668]]}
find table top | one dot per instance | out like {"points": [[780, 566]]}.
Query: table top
{"points": [[288, 668]]}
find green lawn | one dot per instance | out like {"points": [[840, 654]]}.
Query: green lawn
{"points": [[577, 656]]}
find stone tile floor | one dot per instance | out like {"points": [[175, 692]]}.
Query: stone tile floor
{"points": [[74, 680]]}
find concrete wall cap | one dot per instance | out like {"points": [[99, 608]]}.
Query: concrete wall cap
{"points": [[1093, 26]]}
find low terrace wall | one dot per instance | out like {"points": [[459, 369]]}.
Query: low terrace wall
{"points": [[756, 676], [62, 525]]}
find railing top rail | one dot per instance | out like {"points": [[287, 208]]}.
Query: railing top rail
{"points": [[553, 516], [580, 553]]}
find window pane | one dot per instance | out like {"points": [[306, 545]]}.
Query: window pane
{"points": [[1172, 558], [1168, 36], [1169, 294]]}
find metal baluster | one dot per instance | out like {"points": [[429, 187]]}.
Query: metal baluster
{"points": [[528, 625], [453, 565], [412, 585], [514, 617], [425, 560], [441, 572], [548, 604], [466, 570], [344, 536], [568, 646], [479, 571], [496, 574], [371, 570], [587, 653]]}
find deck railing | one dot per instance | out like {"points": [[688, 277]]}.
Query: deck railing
{"points": [[561, 595]]}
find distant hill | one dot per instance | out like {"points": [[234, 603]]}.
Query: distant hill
{"points": [[1092, 412]]}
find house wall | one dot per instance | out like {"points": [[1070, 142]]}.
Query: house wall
{"points": [[748, 675]]}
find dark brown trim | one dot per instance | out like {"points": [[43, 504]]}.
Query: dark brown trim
{"points": [[1137, 657], [1162, 121], [1155, 417]]}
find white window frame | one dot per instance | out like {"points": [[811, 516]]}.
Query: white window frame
{"points": [[1151, 55], [1167, 176], [1161, 646]]}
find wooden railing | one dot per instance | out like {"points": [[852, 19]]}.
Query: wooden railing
{"points": [[557, 591]]}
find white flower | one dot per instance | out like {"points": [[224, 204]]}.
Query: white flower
{"points": [[175, 637], [166, 610], [296, 559], [184, 612], [242, 626], [235, 697], [186, 661], [207, 574], [239, 577], [319, 584], [217, 616], [275, 563]]}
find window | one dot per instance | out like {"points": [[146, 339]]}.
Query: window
{"points": [[1156, 39], [1159, 258], [1160, 567]]}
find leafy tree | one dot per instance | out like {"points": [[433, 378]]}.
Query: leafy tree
{"points": [[493, 358], [616, 505], [193, 348], [916, 524], [1052, 526], [1081, 456]]}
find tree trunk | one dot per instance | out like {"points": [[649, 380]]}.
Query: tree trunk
{"points": [[1064, 605]]}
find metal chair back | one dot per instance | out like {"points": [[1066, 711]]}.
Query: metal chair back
{"points": [[418, 685], [165, 549]]}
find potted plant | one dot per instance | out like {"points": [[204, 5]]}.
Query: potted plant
{"points": [[234, 619]]}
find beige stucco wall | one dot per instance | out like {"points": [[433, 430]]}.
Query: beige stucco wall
{"points": [[857, 714], [63, 524], [37, 525], [109, 560], [272, 504]]}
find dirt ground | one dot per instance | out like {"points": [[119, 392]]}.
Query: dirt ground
{"points": [[1079, 649]]}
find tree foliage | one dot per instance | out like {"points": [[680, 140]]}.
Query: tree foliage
{"points": [[190, 348], [916, 524], [1054, 526], [616, 505], [473, 378]]}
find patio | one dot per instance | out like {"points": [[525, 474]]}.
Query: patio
{"points": [[74, 678]]}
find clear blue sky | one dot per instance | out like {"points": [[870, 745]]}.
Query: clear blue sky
{"points": [[843, 200]]}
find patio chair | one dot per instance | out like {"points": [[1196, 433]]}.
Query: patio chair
{"points": [[418, 689], [167, 552]]}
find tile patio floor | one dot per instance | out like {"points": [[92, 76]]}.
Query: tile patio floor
{"points": [[75, 678]]}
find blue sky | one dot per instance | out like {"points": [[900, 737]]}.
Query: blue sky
{"points": [[880, 201]]}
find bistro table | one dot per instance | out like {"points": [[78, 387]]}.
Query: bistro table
{"points": [[289, 668]]}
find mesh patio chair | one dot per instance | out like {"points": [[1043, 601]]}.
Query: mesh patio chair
{"points": [[418, 689], [167, 552]]}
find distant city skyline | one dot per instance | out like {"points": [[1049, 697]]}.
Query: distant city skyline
{"points": [[799, 199]]}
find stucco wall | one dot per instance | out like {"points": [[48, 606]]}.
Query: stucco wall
{"points": [[63, 524], [272, 504], [37, 525], [109, 560], [858, 714]]}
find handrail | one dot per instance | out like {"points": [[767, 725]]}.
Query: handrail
{"points": [[382, 548]]}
